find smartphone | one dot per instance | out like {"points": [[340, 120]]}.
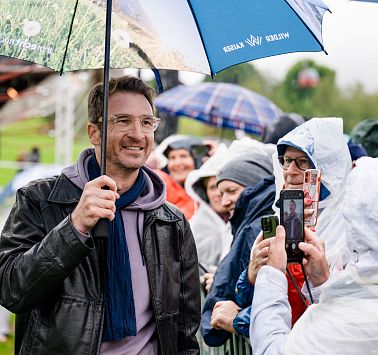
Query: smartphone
{"points": [[311, 185], [292, 218], [269, 225]]}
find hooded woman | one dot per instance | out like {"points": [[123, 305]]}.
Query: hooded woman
{"points": [[319, 144], [211, 231], [182, 155], [345, 320]]}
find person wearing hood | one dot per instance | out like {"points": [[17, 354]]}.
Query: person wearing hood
{"points": [[182, 159], [131, 289], [247, 189], [366, 134], [317, 143], [211, 231], [345, 319], [285, 123]]}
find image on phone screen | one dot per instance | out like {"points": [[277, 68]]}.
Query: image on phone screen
{"points": [[293, 219]]}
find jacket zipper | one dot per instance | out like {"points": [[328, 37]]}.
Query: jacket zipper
{"points": [[150, 287]]}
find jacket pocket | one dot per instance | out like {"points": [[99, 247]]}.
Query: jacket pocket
{"points": [[66, 327], [168, 325]]}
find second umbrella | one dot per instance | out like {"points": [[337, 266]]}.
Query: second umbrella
{"points": [[220, 104]]}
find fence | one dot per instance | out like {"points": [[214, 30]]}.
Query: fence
{"points": [[236, 345]]}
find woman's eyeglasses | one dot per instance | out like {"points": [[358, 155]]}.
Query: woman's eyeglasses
{"points": [[302, 162]]}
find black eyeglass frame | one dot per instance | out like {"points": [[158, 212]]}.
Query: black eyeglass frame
{"points": [[282, 157]]}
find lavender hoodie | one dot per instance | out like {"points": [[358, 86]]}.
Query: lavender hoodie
{"points": [[145, 342]]}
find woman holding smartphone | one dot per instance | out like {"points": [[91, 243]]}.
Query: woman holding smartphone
{"points": [[318, 143], [345, 320]]}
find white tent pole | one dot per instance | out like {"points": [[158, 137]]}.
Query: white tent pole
{"points": [[64, 121]]}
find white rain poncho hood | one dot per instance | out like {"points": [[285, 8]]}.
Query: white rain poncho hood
{"points": [[322, 140], [212, 235], [346, 319]]}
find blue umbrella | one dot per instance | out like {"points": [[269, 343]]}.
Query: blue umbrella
{"points": [[220, 104], [244, 30], [193, 35]]}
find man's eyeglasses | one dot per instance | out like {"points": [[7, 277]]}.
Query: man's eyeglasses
{"points": [[124, 122], [302, 162]]}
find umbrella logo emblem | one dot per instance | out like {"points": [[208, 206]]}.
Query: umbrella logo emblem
{"points": [[31, 28], [253, 41]]}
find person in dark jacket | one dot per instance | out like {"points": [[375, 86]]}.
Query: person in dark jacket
{"points": [[366, 134], [133, 289], [285, 123], [254, 202]]}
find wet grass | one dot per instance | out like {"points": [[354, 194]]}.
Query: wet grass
{"points": [[7, 348], [22, 136]]}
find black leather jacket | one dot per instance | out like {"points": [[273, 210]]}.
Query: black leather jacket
{"points": [[54, 282]]}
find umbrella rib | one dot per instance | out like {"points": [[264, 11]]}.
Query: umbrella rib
{"points": [[200, 33], [68, 38], [309, 29]]}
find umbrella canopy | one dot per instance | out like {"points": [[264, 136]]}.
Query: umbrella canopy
{"points": [[220, 104], [193, 35]]}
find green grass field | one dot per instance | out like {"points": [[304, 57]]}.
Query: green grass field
{"points": [[22, 136], [7, 348]]}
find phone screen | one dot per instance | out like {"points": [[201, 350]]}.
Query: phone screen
{"points": [[292, 218]]}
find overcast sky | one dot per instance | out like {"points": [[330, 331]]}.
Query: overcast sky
{"points": [[350, 36]]}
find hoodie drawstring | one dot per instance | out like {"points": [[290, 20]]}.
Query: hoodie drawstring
{"points": [[140, 240]]}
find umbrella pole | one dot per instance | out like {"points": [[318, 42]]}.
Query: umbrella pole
{"points": [[108, 28], [101, 228]]}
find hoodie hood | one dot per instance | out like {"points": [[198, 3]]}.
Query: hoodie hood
{"points": [[153, 197], [360, 211], [322, 140]]}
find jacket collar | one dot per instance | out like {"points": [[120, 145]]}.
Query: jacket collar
{"points": [[164, 213], [64, 191]]}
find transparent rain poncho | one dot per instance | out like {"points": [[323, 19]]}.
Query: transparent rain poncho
{"points": [[346, 319], [322, 140]]}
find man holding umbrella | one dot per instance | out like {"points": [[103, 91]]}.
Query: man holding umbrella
{"points": [[135, 291]]}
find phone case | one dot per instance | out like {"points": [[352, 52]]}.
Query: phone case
{"points": [[269, 225], [311, 186]]}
